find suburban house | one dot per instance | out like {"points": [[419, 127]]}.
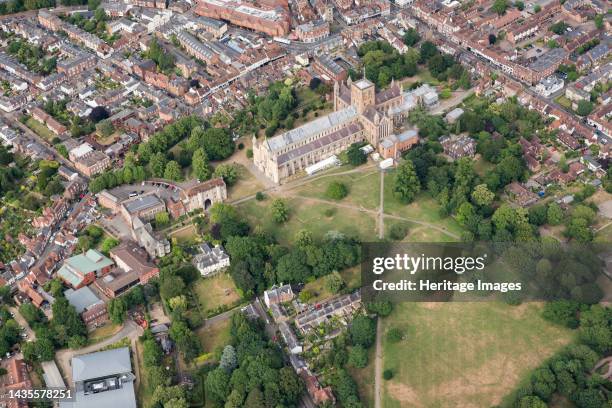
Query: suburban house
{"points": [[103, 379], [81, 270], [210, 260], [278, 295]]}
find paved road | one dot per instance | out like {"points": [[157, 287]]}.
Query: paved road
{"points": [[378, 366], [130, 330]]}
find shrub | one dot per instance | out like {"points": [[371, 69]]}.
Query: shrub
{"points": [[387, 374], [336, 190], [398, 231], [394, 335], [259, 196]]}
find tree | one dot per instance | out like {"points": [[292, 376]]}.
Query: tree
{"points": [[108, 244], [482, 196], [398, 231], [290, 385], [229, 360], [599, 21], [228, 172], [355, 155], [31, 313], [117, 310], [173, 171], [336, 190], [303, 238], [280, 211], [411, 37], [152, 353], [178, 304], [218, 385], [531, 402], [334, 282], [382, 308], [162, 219], [171, 286], [584, 108], [538, 215], [217, 143], [406, 185], [500, 6], [554, 214], [388, 374], [105, 128], [200, 166], [563, 312], [363, 331], [358, 357]]}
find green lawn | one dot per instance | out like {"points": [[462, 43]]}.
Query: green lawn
{"points": [[464, 354], [214, 336], [424, 209], [563, 101], [310, 216], [246, 185], [363, 188], [318, 287], [216, 291], [185, 233], [40, 129]]}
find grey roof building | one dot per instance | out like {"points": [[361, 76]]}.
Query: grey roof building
{"points": [[82, 299], [103, 379]]}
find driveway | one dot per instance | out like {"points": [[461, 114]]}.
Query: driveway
{"points": [[63, 357], [22, 322]]}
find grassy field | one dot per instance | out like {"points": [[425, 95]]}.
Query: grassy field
{"points": [[563, 101], [464, 354], [102, 333], [352, 279], [364, 188], [311, 216], [246, 185], [40, 129], [419, 233], [214, 337], [216, 291], [186, 233]]}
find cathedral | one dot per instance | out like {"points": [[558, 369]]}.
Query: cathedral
{"points": [[360, 114]]}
